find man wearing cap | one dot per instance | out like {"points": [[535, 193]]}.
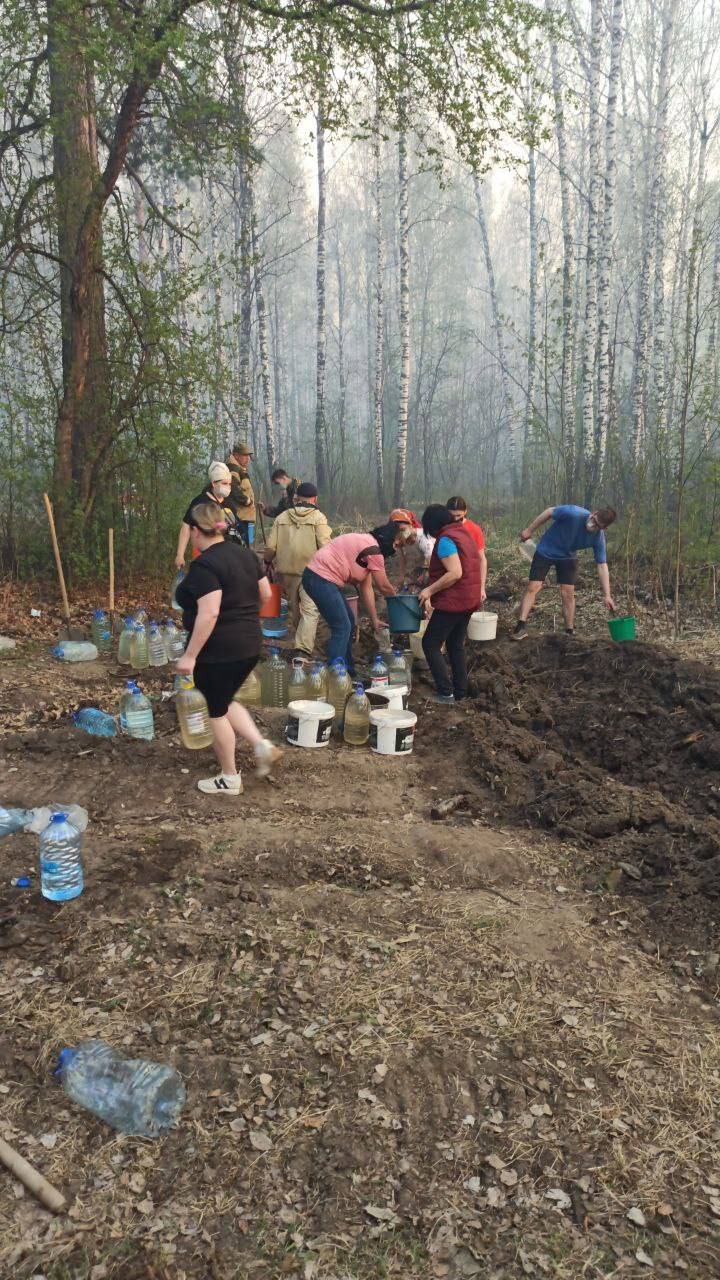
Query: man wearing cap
{"points": [[292, 542], [242, 494], [218, 490]]}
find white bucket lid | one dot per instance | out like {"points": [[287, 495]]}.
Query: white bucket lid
{"points": [[307, 709], [393, 719]]}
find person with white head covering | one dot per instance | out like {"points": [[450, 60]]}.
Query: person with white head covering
{"points": [[218, 491]]}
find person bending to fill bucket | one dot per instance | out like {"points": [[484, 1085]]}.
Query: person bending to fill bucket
{"points": [[572, 529]]}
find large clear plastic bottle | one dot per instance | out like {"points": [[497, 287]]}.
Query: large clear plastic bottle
{"points": [[356, 730], [124, 642], [136, 715], [132, 1095], [12, 820], [378, 674], [297, 684], [139, 656], [75, 651], [175, 641], [175, 584], [193, 715], [61, 875], [340, 686], [527, 549], [157, 653], [315, 685], [100, 631], [397, 671], [275, 681], [250, 691], [97, 723]]}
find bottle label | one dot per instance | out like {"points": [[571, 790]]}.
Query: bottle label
{"points": [[378, 682], [138, 722], [196, 723]]}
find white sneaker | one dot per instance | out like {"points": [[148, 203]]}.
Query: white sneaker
{"points": [[221, 785], [266, 755]]}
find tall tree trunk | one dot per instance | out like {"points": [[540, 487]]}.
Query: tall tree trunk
{"points": [[342, 364], [321, 450], [606, 244], [379, 361], [246, 298], [508, 424], [567, 376], [595, 187], [278, 373], [532, 307], [640, 360], [216, 311], [83, 419], [404, 242], [263, 344]]}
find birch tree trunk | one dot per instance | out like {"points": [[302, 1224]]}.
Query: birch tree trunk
{"points": [[263, 346], [321, 451], [532, 305], [606, 244], [244, 247], [567, 375], [508, 424], [404, 239], [216, 311], [595, 186], [379, 364], [640, 361]]}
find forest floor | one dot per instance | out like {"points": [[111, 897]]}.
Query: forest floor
{"points": [[421, 1039]]}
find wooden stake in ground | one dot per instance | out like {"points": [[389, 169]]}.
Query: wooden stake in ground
{"points": [[58, 564], [111, 565], [31, 1179]]}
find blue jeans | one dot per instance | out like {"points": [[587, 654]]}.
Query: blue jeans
{"points": [[337, 613]]}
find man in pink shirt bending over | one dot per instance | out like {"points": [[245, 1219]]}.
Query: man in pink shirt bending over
{"points": [[357, 559]]}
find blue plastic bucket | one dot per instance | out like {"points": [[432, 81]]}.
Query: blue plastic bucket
{"points": [[404, 613]]}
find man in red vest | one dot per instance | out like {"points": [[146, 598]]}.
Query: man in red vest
{"points": [[454, 593]]}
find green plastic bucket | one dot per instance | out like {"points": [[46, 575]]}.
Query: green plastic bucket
{"points": [[404, 613], [622, 628]]}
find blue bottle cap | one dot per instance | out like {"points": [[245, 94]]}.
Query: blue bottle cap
{"points": [[65, 1057], [99, 613], [132, 687], [59, 817]]}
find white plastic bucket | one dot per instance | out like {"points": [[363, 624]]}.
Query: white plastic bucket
{"points": [[483, 626], [393, 697], [392, 733], [309, 723]]}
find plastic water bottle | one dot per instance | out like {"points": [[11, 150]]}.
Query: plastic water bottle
{"points": [[397, 671], [123, 654], [275, 681], [136, 717], [357, 719], [100, 631], [139, 657], [97, 723], [297, 683], [140, 615], [527, 549], [175, 642], [379, 674], [250, 692], [315, 689], [75, 651], [12, 820], [193, 715], [61, 876], [157, 652], [340, 686], [173, 588], [408, 660], [132, 1095]]}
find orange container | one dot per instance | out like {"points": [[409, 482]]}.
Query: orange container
{"points": [[271, 607]]}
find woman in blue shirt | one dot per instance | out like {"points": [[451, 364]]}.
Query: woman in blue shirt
{"points": [[572, 529]]}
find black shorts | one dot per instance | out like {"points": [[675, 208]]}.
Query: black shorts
{"points": [[566, 570], [218, 682]]}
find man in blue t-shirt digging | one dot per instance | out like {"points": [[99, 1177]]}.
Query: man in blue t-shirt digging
{"points": [[572, 529]]}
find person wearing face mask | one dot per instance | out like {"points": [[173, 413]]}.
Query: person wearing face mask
{"points": [[572, 529], [218, 491]]}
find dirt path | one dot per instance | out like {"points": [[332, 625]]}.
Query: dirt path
{"points": [[414, 1047]]}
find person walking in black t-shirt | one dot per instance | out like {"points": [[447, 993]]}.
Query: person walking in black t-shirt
{"points": [[220, 598]]}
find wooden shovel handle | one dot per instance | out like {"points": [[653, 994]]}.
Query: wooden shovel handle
{"points": [[30, 1178], [58, 561], [111, 559]]}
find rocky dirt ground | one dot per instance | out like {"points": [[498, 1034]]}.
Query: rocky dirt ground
{"points": [[448, 1016]]}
